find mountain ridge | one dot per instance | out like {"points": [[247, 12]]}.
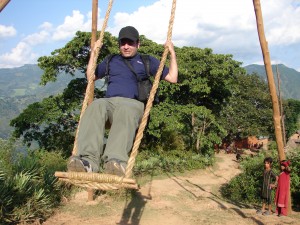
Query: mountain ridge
{"points": [[20, 87], [289, 79]]}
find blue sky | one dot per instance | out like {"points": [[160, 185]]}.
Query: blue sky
{"points": [[33, 28]]}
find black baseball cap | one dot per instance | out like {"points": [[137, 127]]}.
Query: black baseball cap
{"points": [[129, 32]]}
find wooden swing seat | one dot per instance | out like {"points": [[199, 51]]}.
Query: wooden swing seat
{"points": [[97, 180]]}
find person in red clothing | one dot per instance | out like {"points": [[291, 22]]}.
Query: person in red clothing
{"points": [[283, 189]]}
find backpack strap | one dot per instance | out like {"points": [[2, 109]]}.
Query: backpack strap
{"points": [[108, 58], [132, 70], [146, 61]]}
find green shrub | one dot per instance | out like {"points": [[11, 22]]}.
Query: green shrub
{"points": [[246, 187], [28, 189], [294, 156], [156, 161]]}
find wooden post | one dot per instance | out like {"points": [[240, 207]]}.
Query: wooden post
{"points": [[94, 22], [3, 3], [272, 87], [94, 32], [281, 107], [269, 72], [93, 40]]}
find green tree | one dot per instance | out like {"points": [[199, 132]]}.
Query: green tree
{"points": [[190, 110], [52, 122], [192, 106], [249, 109], [205, 78], [291, 109], [73, 57]]}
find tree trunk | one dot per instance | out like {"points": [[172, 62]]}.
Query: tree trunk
{"points": [[194, 132], [198, 140]]}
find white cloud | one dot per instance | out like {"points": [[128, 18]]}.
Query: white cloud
{"points": [[227, 27], [46, 26], [71, 25], [285, 29], [37, 38], [24, 52], [19, 55], [7, 31], [204, 24], [151, 21]]}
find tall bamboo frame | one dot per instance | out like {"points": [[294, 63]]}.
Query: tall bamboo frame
{"points": [[3, 3], [270, 76]]}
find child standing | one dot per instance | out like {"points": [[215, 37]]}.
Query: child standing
{"points": [[269, 182], [283, 189]]}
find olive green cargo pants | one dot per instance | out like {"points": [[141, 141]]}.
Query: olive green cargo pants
{"points": [[124, 114]]}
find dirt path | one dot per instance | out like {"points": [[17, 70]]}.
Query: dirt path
{"points": [[191, 199]]}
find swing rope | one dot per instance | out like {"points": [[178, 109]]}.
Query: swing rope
{"points": [[89, 93], [149, 104], [108, 181]]}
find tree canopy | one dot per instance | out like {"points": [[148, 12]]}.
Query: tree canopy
{"points": [[214, 97]]}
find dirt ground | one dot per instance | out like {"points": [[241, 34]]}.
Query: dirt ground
{"points": [[189, 199]]}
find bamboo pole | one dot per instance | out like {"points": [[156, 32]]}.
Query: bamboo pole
{"points": [[90, 191], [3, 3], [94, 22], [270, 77], [281, 107], [272, 87]]}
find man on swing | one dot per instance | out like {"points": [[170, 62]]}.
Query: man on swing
{"points": [[120, 107]]}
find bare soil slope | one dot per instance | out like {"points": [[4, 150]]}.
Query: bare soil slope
{"points": [[189, 199]]}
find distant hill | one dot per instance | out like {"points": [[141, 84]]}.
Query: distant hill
{"points": [[289, 79], [20, 87], [24, 81]]}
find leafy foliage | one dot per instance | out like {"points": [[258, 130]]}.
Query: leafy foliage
{"points": [[74, 56], [158, 161], [28, 189], [249, 109], [191, 124], [246, 187], [294, 156], [292, 116], [196, 110]]}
